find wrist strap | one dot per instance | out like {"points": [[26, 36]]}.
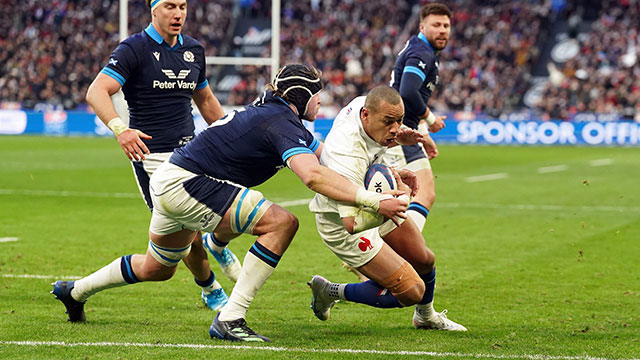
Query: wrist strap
{"points": [[117, 126], [431, 119], [370, 199]]}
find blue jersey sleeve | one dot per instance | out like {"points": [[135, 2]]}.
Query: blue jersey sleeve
{"points": [[202, 77], [290, 140], [415, 72], [122, 63]]}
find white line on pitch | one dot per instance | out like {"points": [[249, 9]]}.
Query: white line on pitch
{"points": [[8, 239], [294, 202], [68, 193], [309, 350], [601, 162], [487, 177], [551, 169], [27, 276], [538, 207]]}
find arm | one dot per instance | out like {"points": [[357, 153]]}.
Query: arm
{"points": [[327, 182], [99, 97], [208, 104]]}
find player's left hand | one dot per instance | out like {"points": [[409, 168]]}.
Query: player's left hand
{"points": [[430, 146], [408, 137], [438, 124]]}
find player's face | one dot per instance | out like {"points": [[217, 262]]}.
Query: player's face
{"points": [[436, 28], [312, 109], [169, 18], [383, 125]]}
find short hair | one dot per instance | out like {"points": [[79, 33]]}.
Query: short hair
{"points": [[297, 84], [148, 3], [435, 8], [379, 94]]}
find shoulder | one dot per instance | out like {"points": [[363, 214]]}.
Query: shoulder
{"points": [[191, 43], [136, 39]]}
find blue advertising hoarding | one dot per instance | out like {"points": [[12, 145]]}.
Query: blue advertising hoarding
{"points": [[523, 132]]}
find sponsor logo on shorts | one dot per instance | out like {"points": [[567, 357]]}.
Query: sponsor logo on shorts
{"points": [[365, 244]]}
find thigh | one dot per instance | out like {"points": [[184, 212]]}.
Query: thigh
{"points": [[384, 264], [408, 243]]}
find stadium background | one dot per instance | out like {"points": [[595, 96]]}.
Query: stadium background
{"points": [[537, 245]]}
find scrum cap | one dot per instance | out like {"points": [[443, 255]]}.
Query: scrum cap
{"points": [[297, 84]]}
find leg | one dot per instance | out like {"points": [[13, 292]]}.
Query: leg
{"points": [[275, 228], [217, 246], [213, 294], [421, 204], [158, 264]]}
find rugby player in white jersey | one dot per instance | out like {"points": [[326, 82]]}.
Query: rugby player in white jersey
{"points": [[400, 266]]}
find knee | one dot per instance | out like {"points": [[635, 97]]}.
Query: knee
{"points": [[423, 262], [411, 295], [289, 222]]}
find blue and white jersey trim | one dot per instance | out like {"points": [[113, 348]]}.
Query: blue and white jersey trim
{"points": [[202, 85], [295, 151], [110, 72], [414, 70]]}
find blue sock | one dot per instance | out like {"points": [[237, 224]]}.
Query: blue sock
{"points": [[370, 293], [429, 285], [208, 282]]}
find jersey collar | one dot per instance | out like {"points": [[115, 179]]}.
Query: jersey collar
{"points": [[424, 38], [155, 35]]}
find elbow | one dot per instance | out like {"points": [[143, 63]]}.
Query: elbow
{"points": [[313, 179]]}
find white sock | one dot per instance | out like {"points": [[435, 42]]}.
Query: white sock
{"points": [[214, 285], [254, 274], [426, 310], [336, 291], [417, 218], [212, 245], [108, 277]]}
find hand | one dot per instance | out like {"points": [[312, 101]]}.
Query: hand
{"points": [[409, 178], [402, 186], [390, 208], [131, 142], [438, 125], [408, 137], [430, 146]]}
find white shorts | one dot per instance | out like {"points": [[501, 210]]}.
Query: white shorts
{"points": [[142, 171], [184, 200], [354, 249], [411, 157]]}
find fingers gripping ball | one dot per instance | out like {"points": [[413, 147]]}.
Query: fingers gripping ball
{"points": [[379, 178]]}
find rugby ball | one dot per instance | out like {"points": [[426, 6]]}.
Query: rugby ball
{"points": [[379, 178]]}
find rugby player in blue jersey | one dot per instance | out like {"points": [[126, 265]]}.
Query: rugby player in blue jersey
{"points": [[205, 186], [160, 71], [415, 76]]}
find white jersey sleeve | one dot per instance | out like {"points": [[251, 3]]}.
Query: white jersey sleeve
{"points": [[349, 151]]}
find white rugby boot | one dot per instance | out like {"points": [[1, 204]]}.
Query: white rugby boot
{"points": [[321, 301], [435, 321]]}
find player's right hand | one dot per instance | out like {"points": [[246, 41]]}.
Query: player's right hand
{"points": [[131, 142], [390, 208]]}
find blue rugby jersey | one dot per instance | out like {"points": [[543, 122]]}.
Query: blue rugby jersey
{"points": [[158, 82], [415, 67], [248, 146]]}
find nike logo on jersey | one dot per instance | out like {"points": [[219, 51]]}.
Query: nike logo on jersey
{"points": [[171, 75], [157, 55], [422, 65]]}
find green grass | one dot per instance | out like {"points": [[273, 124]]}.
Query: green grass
{"points": [[532, 264]]}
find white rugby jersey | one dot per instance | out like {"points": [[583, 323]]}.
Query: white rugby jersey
{"points": [[349, 151]]}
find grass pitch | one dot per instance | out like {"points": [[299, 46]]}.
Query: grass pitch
{"points": [[537, 255]]}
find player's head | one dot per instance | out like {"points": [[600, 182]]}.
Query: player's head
{"points": [[300, 86], [168, 16], [382, 114], [435, 24]]}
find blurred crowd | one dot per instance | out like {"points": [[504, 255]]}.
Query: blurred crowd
{"points": [[51, 51], [604, 76]]}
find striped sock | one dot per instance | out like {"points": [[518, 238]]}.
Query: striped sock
{"points": [[118, 273]]}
